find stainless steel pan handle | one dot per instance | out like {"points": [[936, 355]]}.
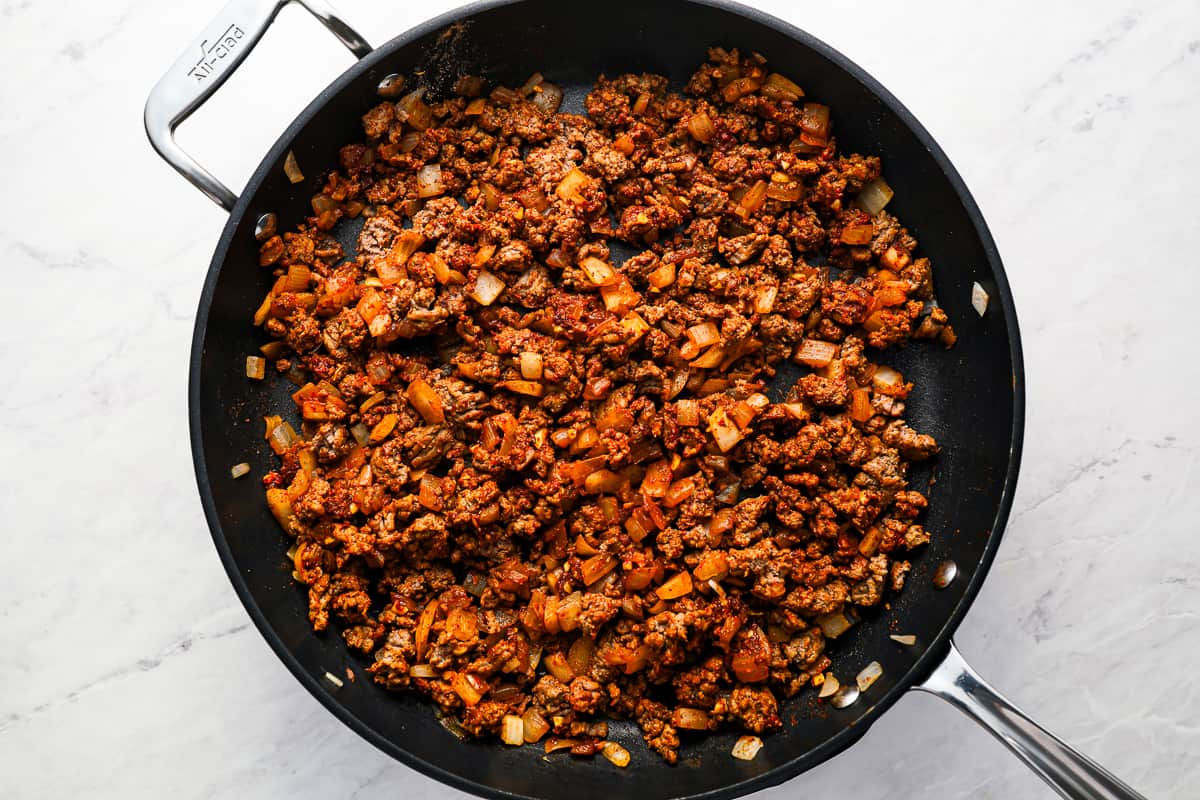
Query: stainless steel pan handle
{"points": [[207, 63], [1071, 774]]}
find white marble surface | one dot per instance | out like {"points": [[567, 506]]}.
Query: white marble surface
{"points": [[128, 667]]}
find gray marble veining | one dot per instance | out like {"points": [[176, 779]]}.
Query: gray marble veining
{"points": [[129, 668]]}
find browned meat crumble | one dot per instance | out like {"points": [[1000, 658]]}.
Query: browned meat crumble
{"points": [[536, 484]]}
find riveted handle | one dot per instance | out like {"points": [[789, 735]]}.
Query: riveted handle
{"points": [[207, 63]]}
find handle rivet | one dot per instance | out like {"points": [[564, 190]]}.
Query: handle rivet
{"points": [[945, 574], [391, 85], [266, 226]]}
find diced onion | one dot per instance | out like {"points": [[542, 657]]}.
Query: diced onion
{"points": [[291, 168], [361, 433], [383, 428], [238, 470], [874, 196], [870, 673], [829, 686], [596, 567], [512, 730], [677, 585], [414, 111], [429, 180], [746, 748], [598, 272], [531, 365], [833, 625], [777, 87], [556, 743], [409, 141], [979, 299], [701, 127], [692, 719], [334, 679], [753, 199], [536, 725], [816, 353], [547, 97], [579, 657], [422, 671], [568, 188], [887, 380], [528, 388], [556, 664], [256, 367], [616, 754], [906, 639], [704, 334], [858, 233], [426, 401], [662, 276], [469, 687], [764, 299], [725, 431], [487, 288]]}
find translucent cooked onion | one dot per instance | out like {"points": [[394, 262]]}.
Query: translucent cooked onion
{"points": [[616, 754], [429, 181], [906, 639], [777, 87], [535, 725], [413, 110], [724, 430], [361, 433], [662, 276], [704, 334], [833, 625], [692, 719], [887, 380], [238, 470], [746, 748], [701, 127], [487, 288], [676, 586], [409, 141], [764, 299], [829, 686], [598, 272], [816, 353], [424, 671], [512, 730], [869, 674], [531, 365], [874, 196], [547, 97], [979, 299], [291, 168], [256, 367], [426, 401]]}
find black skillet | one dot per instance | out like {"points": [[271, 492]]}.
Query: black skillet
{"points": [[971, 397]]}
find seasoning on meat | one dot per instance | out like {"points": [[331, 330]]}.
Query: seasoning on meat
{"points": [[541, 486]]}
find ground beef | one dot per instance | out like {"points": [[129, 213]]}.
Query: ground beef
{"points": [[531, 478]]}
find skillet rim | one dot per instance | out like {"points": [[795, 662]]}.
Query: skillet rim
{"points": [[831, 747]]}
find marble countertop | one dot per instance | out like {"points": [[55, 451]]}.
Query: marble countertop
{"points": [[128, 666]]}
